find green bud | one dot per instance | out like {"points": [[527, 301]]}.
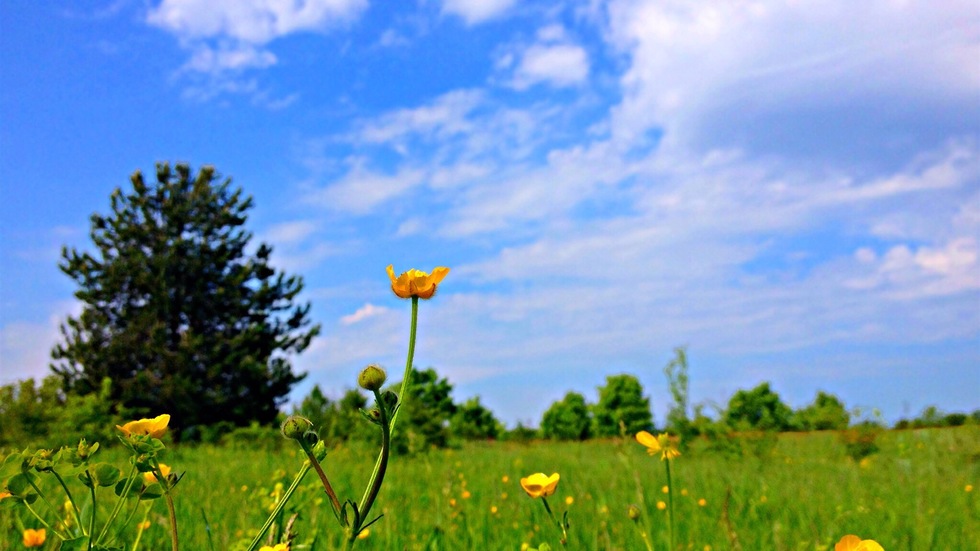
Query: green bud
{"points": [[320, 451], [295, 427], [389, 399], [372, 378], [634, 513]]}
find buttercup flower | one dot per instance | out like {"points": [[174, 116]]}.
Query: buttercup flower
{"points": [[34, 538], [153, 427], [416, 283], [539, 485], [660, 443], [277, 547], [150, 478], [854, 543]]}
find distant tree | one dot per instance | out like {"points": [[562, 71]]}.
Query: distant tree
{"points": [[45, 416], [474, 421], [621, 400], [758, 409], [567, 419], [520, 433], [826, 412], [427, 413], [678, 421], [176, 311], [320, 410]]}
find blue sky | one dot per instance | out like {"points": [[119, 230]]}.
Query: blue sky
{"points": [[791, 190]]}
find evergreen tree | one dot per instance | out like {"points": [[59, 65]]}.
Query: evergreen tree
{"points": [[176, 311], [621, 401]]}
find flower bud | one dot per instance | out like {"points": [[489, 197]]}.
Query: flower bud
{"points": [[295, 427], [372, 378], [634, 513]]}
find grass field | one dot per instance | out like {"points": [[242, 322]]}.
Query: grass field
{"points": [[803, 493]]}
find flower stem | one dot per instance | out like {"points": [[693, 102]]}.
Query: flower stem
{"points": [[168, 494], [119, 502], [377, 477], [74, 508], [279, 506], [670, 505], [139, 532], [334, 502], [403, 391], [560, 525]]}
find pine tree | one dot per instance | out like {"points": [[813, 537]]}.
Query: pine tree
{"points": [[175, 309]]}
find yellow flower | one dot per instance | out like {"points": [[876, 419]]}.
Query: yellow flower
{"points": [[154, 427], [276, 547], [363, 534], [416, 283], [5, 494], [150, 478], [34, 538], [854, 543], [539, 485], [661, 505], [967, 488], [660, 443], [665, 489], [505, 479], [702, 502], [493, 509], [145, 525], [466, 494], [569, 500]]}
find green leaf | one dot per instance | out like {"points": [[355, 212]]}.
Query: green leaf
{"points": [[153, 491], [134, 490], [105, 474], [20, 484], [77, 544]]}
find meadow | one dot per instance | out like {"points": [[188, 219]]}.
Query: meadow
{"points": [[801, 491]]}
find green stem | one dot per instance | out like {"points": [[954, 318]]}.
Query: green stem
{"points": [[377, 477], [334, 502], [44, 498], [402, 395], [670, 505], [119, 502], [560, 525], [74, 508], [168, 494], [139, 533], [42, 521], [279, 506], [91, 521]]}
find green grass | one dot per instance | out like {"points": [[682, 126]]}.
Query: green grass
{"points": [[804, 493]]}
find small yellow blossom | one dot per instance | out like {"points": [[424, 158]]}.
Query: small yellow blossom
{"points": [[276, 547], [150, 477], [763, 499], [493, 509], [569, 500], [660, 443], [4, 494], [854, 543], [153, 427], [683, 491], [34, 538], [143, 525], [702, 502], [364, 534], [525, 546], [452, 502], [540, 485], [466, 494], [661, 505], [665, 489], [416, 283], [505, 479], [967, 488]]}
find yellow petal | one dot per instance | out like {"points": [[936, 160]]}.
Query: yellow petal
{"points": [[848, 543], [869, 545]]}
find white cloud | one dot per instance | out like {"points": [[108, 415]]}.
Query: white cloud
{"points": [[252, 22], [699, 69], [228, 57], [364, 312], [361, 190], [474, 12], [559, 65]]}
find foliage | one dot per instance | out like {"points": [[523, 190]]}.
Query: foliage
{"points": [[621, 406], [826, 412], [758, 409], [678, 421], [567, 419], [45, 415], [176, 312], [473, 421], [427, 414]]}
